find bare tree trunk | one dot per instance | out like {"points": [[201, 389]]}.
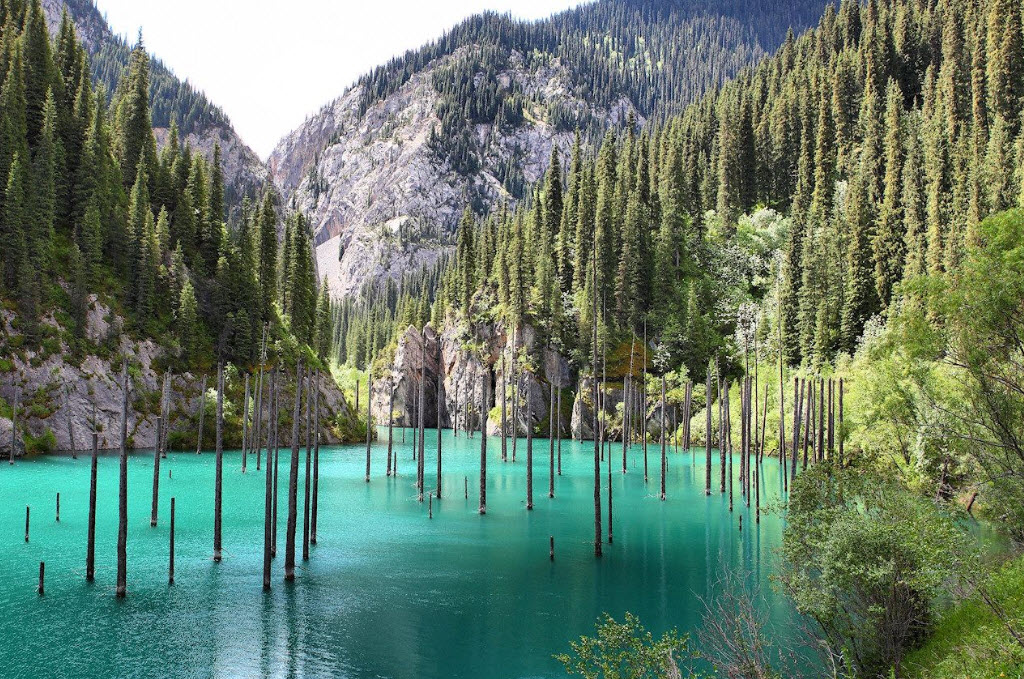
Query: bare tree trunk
{"points": [[275, 415], [307, 489], [391, 423], [156, 470], [218, 488], [504, 421], [245, 425], [664, 459], [842, 432], [423, 402], [727, 441], [797, 405], [90, 545], [551, 443], [558, 427], [707, 436], [440, 400], [483, 451], [369, 417], [122, 493], [293, 481], [268, 499], [529, 451], [316, 457], [170, 556], [597, 442]]}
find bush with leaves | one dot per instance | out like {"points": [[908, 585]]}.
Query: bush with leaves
{"points": [[625, 650], [866, 560]]}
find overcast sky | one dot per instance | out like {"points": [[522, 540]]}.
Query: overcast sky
{"points": [[269, 63]]}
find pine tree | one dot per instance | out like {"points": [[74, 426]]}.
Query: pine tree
{"points": [[133, 124]]}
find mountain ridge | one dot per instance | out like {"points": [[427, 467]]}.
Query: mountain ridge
{"points": [[473, 116]]}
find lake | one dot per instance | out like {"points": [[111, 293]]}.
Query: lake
{"points": [[387, 592]]}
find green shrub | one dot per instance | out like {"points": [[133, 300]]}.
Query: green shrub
{"points": [[44, 443]]}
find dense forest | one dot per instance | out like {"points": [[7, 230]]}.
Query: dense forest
{"points": [[171, 99], [653, 55], [91, 206], [866, 152]]}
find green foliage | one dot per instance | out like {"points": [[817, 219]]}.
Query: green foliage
{"points": [[44, 443], [970, 640], [626, 651], [866, 560]]}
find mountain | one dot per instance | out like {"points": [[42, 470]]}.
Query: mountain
{"points": [[202, 124], [383, 172]]}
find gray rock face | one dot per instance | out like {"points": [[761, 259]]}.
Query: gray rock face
{"points": [[380, 200], [471, 357], [416, 351], [71, 399]]}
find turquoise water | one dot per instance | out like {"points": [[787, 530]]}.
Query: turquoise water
{"points": [[387, 592]]}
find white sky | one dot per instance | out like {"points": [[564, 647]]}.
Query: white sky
{"points": [[269, 63]]}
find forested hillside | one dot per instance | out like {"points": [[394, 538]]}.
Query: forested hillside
{"points": [[867, 151], [91, 206], [199, 121], [383, 171]]}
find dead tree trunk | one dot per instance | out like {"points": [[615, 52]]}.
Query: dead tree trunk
{"points": [[90, 544], [275, 405], [551, 443], [529, 451], [316, 457], [504, 422], [707, 436], [558, 427], [369, 418], [391, 423], [306, 487], [170, 556], [293, 481], [268, 501], [664, 459], [156, 471], [122, 492], [420, 469], [218, 494], [483, 452], [842, 432], [440, 400], [245, 425]]}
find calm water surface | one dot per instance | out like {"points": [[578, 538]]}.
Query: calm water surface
{"points": [[387, 592]]}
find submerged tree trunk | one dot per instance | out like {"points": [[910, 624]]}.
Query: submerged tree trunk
{"points": [[245, 425], [90, 545], [293, 481], [664, 459], [483, 451], [707, 436], [391, 423], [268, 499], [275, 415], [306, 509], [156, 471], [218, 489], [122, 492], [369, 418], [440, 400], [529, 452], [551, 443], [316, 457], [504, 421]]}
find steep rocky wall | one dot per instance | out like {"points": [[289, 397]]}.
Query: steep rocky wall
{"points": [[69, 398]]}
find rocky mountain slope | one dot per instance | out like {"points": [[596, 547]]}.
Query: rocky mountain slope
{"points": [[202, 123], [385, 171]]}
